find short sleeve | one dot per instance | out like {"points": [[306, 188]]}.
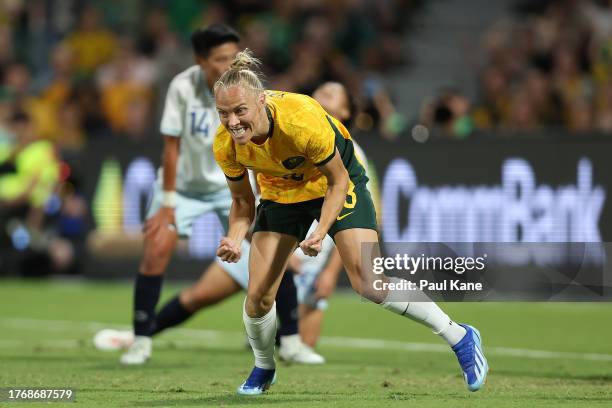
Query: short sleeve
{"points": [[225, 156], [322, 142], [172, 117]]}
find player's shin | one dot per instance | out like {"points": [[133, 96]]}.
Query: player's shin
{"points": [[171, 314], [417, 306], [261, 332], [287, 305], [146, 296]]}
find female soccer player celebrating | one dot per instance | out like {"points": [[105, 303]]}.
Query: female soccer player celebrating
{"points": [[307, 170]]}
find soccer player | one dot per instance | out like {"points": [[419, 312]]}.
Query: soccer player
{"points": [[306, 170], [189, 184]]}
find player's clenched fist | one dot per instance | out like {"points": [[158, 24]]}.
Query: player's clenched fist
{"points": [[229, 250], [311, 246]]}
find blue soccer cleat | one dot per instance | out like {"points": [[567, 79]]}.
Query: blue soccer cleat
{"points": [[471, 358], [258, 382]]}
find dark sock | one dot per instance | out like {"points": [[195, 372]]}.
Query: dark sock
{"points": [[146, 296], [287, 306], [171, 314]]}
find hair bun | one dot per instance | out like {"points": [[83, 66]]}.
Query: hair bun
{"points": [[245, 60], [243, 71]]}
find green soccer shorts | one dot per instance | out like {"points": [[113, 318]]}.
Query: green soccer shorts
{"points": [[295, 219]]}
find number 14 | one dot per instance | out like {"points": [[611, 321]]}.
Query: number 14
{"points": [[199, 124]]}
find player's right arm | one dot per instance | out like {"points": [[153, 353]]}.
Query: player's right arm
{"points": [[170, 157], [241, 217], [164, 218], [171, 127], [242, 211]]}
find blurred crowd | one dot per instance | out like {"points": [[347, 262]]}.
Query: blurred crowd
{"points": [[72, 71], [547, 67], [86, 69]]}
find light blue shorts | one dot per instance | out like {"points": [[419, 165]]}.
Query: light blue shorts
{"points": [[305, 285], [189, 207]]}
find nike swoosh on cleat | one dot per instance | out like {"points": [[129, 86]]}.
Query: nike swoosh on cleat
{"points": [[339, 218]]}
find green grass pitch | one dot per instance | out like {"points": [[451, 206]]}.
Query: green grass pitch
{"points": [[541, 355]]}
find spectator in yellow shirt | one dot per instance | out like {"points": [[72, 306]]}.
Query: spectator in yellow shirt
{"points": [[92, 44]]}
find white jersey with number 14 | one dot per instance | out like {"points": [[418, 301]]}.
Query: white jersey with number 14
{"points": [[190, 114]]}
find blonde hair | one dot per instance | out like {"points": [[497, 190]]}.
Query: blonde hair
{"points": [[243, 71]]}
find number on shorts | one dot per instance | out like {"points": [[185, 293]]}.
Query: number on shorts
{"points": [[350, 194]]}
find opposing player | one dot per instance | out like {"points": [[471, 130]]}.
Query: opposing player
{"points": [[306, 170], [189, 184]]}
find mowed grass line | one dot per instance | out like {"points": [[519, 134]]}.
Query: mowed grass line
{"points": [[207, 374]]}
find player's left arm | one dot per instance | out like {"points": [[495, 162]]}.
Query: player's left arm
{"points": [[335, 196]]}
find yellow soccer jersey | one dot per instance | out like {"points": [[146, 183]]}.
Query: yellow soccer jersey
{"points": [[304, 136]]}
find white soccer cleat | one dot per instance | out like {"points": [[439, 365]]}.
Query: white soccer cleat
{"points": [[293, 350], [111, 340], [139, 352]]}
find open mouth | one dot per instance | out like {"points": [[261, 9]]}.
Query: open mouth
{"points": [[239, 131]]}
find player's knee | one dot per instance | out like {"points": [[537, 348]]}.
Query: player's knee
{"points": [[356, 285], [258, 305], [362, 282], [355, 275]]}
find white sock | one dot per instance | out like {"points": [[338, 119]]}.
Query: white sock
{"points": [[424, 312], [292, 341], [261, 332]]}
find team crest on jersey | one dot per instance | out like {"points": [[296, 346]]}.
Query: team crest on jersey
{"points": [[293, 162]]}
